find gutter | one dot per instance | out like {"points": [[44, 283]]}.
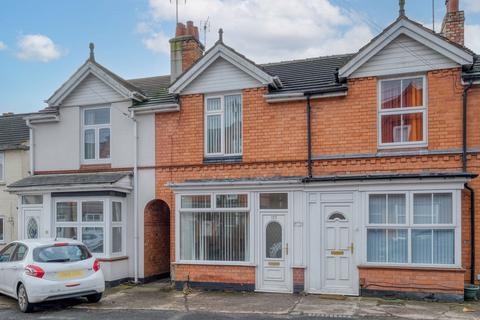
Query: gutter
{"points": [[301, 96], [472, 191], [156, 108]]}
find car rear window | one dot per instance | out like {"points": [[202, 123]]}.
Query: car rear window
{"points": [[62, 253]]}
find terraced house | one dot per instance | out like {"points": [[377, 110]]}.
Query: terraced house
{"points": [[346, 174], [14, 165]]}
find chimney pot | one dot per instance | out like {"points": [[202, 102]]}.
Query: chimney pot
{"points": [[452, 5], [180, 30]]}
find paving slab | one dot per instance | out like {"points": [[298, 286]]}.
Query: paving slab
{"points": [[233, 302]]}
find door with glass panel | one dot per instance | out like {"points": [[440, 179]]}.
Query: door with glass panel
{"points": [[31, 223], [338, 249], [275, 267]]}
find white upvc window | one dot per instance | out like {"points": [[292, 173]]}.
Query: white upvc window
{"points": [[2, 166], [413, 228], [223, 125], [402, 112], [2, 230], [98, 222], [214, 228], [96, 133]]}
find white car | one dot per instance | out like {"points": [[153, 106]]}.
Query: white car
{"points": [[34, 271]]}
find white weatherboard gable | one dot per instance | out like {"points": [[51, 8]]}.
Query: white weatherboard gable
{"points": [[91, 90], [228, 55], [221, 76], [88, 68], [439, 47]]}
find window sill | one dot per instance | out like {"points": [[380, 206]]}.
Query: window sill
{"points": [[215, 263], [410, 267], [226, 159], [412, 146], [113, 259]]}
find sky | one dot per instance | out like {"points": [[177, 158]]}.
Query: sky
{"points": [[42, 43]]}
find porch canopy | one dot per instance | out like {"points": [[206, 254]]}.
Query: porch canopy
{"points": [[104, 181]]}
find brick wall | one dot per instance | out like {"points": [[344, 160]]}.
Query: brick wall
{"points": [[221, 274], [275, 145], [156, 238], [413, 280]]}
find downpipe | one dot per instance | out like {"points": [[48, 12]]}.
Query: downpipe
{"points": [[467, 186], [135, 197]]}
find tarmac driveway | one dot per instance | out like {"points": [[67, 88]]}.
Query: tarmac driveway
{"points": [[159, 301]]}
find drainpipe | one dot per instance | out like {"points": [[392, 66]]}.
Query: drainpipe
{"points": [[135, 196], [31, 141], [309, 137], [470, 189]]}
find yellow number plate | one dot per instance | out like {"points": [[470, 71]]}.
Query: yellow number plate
{"points": [[70, 274]]}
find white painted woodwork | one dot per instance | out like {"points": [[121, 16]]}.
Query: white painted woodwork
{"points": [[221, 76], [403, 55], [91, 90]]}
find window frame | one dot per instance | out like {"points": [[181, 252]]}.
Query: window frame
{"points": [[2, 168], [96, 128], [402, 111], [410, 226], [221, 113], [107, 224], [213, 208]]}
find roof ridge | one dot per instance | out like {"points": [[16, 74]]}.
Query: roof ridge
{"points": [[307, 59], [7, 115], [151, 77]]}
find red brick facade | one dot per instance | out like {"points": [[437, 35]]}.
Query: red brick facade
{"points": [[274, 144]]}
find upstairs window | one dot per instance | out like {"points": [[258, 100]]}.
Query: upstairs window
{"points": [[223, 126], [96, 134], [2, 167], [403, 111]]}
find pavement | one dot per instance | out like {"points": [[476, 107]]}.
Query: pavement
{"points": [[160, 301]]}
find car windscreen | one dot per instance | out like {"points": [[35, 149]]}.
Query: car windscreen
{"points": [[63, 253]]}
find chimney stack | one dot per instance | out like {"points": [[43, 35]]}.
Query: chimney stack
{"points": [[453, 27], [185, 49]]}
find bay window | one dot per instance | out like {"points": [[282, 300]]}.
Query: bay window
{"points": [[223, 125], [402, 112], [215, 227], [98, 223], [411, 228], [96, 134]]}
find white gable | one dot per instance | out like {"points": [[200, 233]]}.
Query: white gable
{"points": [[388, 50], [403, 55], [221, 76], [91, 90]]}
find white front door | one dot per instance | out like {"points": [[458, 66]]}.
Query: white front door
{"points": [[274, 265], [31, 223], [337, 249]]}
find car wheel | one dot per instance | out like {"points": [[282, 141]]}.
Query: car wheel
{"points": [[94, 298], [23, 303]]}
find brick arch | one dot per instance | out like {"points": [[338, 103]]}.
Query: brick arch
{"points": [[156, 239]]}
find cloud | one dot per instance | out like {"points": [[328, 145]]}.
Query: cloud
{"points": [[37, 47], [472, 6], [264, 30], [3, 46], [472, 38]]}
